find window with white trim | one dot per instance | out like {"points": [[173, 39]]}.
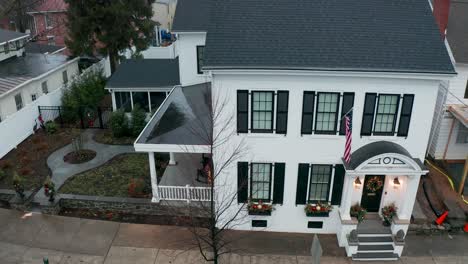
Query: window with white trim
{"points": [[262, 111], [48, 21], [200, 58], [319, 183], [386, 114], [327, 113], [260, 181], [33, 97]]}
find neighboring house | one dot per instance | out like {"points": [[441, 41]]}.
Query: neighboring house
{"points": [[49, 22], [135, 82], [12, 44], [163, 13], [33, 47], [449, 137], [24, 77], [288, 74]]}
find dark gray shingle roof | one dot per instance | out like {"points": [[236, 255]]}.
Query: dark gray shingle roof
{"points": [[192, 16], [349, 35], [183, 119], [150, 73], [457, 30], [7, 35]]}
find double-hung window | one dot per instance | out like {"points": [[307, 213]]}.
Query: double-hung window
{"points": [[319, 184], [327, 113], [262, 111], [260, 181], [200, 58], [386, 114], [382, 111]]}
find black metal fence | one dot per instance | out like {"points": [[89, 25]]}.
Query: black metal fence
{"points": [[96, 117]]}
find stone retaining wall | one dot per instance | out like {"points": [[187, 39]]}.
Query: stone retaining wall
{"points": [[137, 206]]}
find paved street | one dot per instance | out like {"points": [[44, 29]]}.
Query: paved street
{"points": [[27, 239]]}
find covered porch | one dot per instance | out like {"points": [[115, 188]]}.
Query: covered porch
{"points": [[181, 127], [380, 174]]}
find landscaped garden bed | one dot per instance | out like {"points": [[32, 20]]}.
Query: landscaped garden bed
{"points": [[126, 175], [80, 156], [105, 136], [29, 159]]}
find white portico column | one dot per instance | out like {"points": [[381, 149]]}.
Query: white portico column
{"points": [[114, 103], [154, 178], [172, 160], [409, 197], [348, 189]]}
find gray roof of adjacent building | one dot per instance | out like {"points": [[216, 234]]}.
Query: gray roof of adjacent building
{"points": [[457, 30], [8, 35], [18, 70], [145, 73], [192, 15], [331, 35]]}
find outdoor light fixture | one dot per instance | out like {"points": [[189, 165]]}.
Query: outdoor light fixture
{"points": [[357, 183], [396, 182]]}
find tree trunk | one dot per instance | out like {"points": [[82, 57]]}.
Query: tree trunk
{"points": [[114, 60]]}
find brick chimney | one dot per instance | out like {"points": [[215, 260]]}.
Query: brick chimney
{"points": [[441, 14]]}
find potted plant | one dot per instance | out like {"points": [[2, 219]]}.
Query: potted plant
{"points": [[18, 185], [358, 212], [49, 189], [318, 210], [259, 208], [388, 212]]}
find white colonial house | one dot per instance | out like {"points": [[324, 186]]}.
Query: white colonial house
{"points": [[449, 137], [286, 75], [27, 80]]}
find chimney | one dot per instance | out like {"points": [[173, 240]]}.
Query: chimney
{"points": [[441, 13]]}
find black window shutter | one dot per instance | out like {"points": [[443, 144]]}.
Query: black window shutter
{"points": [[242, 181], [302, 179], [242, 111], [282, 112], [368, 114], [348, 103], [278, 185], [405, 116], [307, 112], [338, 184]]}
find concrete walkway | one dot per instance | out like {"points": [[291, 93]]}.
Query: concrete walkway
{"points": [[61, 171], [29, 238]]}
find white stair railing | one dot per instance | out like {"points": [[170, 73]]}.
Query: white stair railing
{"points": [[185, 193]]}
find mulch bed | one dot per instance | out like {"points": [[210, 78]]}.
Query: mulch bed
{"points": [[80, 156], [104, 136], [29, 159], [135, 219]]}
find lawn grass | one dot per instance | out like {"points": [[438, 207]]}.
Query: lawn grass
{"points": [[104, 136], [112, 178]]}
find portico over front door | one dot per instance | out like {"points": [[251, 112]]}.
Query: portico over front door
{"points": [[372, 192]]}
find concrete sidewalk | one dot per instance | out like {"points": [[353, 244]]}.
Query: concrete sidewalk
{"points": [[29, 238]]}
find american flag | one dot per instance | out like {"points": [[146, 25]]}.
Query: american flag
{"points": [[349, 130]]}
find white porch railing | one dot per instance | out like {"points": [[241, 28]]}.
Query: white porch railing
{"points": [[184, 193]]}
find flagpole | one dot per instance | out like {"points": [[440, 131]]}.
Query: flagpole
{"points": [[347, 113]]}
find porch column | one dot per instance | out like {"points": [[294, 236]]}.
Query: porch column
{"points": [[348, 189], [412, 182], [172, 160], [154, 178], [114, 103]]}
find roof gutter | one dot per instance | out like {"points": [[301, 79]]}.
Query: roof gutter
{"points": [[15, 39], [40, 76], [331, 72]]}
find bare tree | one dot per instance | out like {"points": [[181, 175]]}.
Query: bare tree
{"points": [[223, 212]]}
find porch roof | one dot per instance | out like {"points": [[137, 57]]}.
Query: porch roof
{"points": [[182, 119], [460, 112], [377, 148], [145, 73]]}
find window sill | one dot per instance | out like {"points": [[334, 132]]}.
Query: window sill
{"points": [[323, 136], [262, 135], [379, 138]]}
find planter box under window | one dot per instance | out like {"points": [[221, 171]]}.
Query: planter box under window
{"points": [[259, 212], [318, 214]]}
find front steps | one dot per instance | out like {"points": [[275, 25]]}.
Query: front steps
{"points": [[375, 246]]}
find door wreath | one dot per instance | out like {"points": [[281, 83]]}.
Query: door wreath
{"points": [[374, 184]]}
